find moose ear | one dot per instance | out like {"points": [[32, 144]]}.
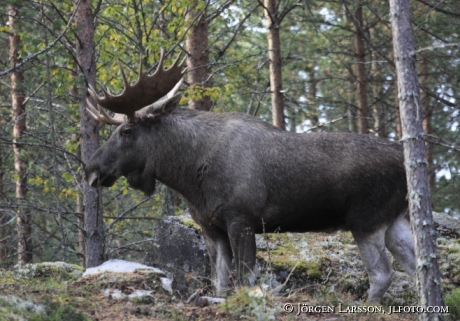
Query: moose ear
{"points": [[164, 108]]}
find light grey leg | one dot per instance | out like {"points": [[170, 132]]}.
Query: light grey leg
{"points": [[400, 243], [220, 255], [372, 250]]}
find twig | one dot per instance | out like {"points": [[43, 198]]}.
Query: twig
{"points": [[127, 211], [285, 281], [328, 123], [51, 45]]}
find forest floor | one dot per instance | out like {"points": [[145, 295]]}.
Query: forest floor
{"points": [[52, 294], [309, 277], [57, 291]]}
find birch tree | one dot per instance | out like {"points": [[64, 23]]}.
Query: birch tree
{"points": [[428, 277]]}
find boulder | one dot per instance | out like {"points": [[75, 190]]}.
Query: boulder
{"points": [[178, 248]]}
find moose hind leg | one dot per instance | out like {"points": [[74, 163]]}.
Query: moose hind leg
{"points": [[220, 255], [400, 243], [372, 250]]}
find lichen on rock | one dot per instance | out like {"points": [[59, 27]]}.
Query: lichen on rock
{"points": [[13, 308], [50, 269]]}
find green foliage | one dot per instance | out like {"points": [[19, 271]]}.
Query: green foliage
{"points": [[452, 300]]}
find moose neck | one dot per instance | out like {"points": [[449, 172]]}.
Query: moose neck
{"points": [[182, 142]]}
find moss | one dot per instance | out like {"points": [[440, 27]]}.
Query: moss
{"points": [[452, 300], [453, 250], [312, 269], [188, 221], [353, 283]]}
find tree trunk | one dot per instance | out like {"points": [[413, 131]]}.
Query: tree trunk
{"points": [[167, 205], [398, 127], [198, 57], [79, 208], [311, 96], [3, 216], [363, 122], [19, 117], [80, 213], [378, 109], [274, 55], [427, 126], [94, 224], [428, 277]]}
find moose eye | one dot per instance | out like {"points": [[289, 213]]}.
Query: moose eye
{"points": [[127, 131]]}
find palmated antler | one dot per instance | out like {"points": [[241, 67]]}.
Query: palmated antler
{"points": [[145, 92]]}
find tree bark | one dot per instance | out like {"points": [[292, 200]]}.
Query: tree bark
{"points": [[311, 96], [398, 125], [80, 213], [274, 55], [3, 216], [23, 219], [378, 109], [198, 56], [94, 224], [427, 126], [167, 204], [79, 207], [363, 121], [428, 278]]}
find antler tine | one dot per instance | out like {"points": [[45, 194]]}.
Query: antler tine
{"points": [[177, 60], [102, 116], [160, 63], [92, 111], [140, 66], [96, 96], [125, 80]]}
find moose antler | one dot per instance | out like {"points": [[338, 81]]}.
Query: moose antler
{"points": [[146, 91]]}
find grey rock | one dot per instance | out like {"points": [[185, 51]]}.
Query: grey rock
{"points": [[446, 225], [179, 249]]}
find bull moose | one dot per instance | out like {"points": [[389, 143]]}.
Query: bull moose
{"points": [[241, 176]]}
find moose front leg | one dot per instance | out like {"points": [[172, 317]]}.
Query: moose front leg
{"points": [[220, 255], [243, 243]]}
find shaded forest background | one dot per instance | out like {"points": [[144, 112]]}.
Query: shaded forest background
{"points": [[337, 75]]}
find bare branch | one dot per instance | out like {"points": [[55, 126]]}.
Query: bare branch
{"points": [[122, 215], [47, 48], [435, 8]]}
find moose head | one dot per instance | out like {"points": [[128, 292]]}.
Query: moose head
{"points": [[136, 108]]}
